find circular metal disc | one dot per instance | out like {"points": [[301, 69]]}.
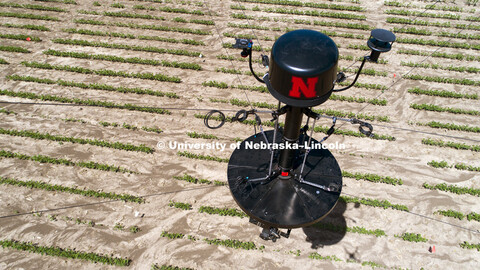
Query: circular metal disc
{"points": [[283, 203]]}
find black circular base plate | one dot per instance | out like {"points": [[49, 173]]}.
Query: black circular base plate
{"points": [[279, 202]]}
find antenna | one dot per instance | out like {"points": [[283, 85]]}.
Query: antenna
{"points": [[284, 178]]}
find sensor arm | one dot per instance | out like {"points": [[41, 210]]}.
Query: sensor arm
{"points": [[356, 77], [251, 68]]}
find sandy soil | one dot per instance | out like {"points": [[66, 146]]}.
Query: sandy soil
{"points": [[405, 158]]}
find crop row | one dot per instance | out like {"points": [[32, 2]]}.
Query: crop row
{"points": [[453, 189], [3, 62], [437, 66], [436, 108], [366, 71], [428, 23], [131, 36], [28, 16], [132, 127], [66, 162], [104, 72], [71, 2], [317, 129], [168, 267], [57, 138], [375, 178], [91, 223], [440, 79], [457, 56], [459, 35], [422, 14], [95, 86], [71, 190], [317, 256], [441, 93], [439, 43], [64, 253], [232, 243], [85, 102], [305, 4], [458, 166], [459, 215], [122, 14], [125, 47], [34, 7], [412, 237], [458, 146], [26, 26], [14, 49], [201, 157], [354, 229], [449, 126], [453, 8], [374, 101], [467, 245], [336, 15], [20, 37], [191, 179], [130, 60], [145, 26], [374, 203]]}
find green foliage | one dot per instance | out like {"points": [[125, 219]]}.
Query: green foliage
{"points": [[132, 15], [467, 245], [375, 101], [306, 4], [221, 85], [375, 203], [336, 15], [119, 226], [248, 26], [191, 179], [51, 160], [168, 267], [440, 43], [104, 72], [180, 205], [441, 93], [3, 62], [366, 85], [133, 229], [461, 166], [459, 35], [354, 229], [439, 164], [436, 108], [117, 5], [201, 157], [222, 211], [196, 135], [20, 37], [437, 66], [403, 12], [459, 146], [86, 102], [34, 7], [343, 25], [458, 56], [450, 126], [453, 189], [145, 26], [46, 136], [412, 237], [131, 60], [317, 256], [26, 26], [373, 178], [412, 30], [236, 244], [417, 22], [72, 2], [96, 4], [71, 190], [124, 47], [152, 129], [5, 111], [172, 235], [64, 252], [181, 10], [95, 86], [13, 49], [450, 213], [28, 16]]}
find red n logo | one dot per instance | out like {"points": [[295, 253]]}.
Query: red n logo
{"points": [[298, 85]]}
